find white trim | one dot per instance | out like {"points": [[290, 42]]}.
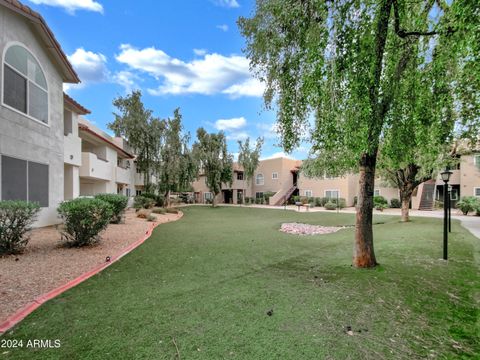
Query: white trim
{"points": [[475, 191], [7, 46], [256, 179], [204, 196], [475, 161], [337, 190], [275, 177]]}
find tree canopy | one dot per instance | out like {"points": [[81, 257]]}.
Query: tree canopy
{"points": [[214, 161], [353, 65]]}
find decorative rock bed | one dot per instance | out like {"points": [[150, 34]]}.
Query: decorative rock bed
{"points": [[306, 229]]}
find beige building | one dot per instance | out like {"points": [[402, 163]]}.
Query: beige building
{"points": [[281, 176]]}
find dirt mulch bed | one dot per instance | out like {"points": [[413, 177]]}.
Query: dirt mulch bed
{"points": [[46, 265]]}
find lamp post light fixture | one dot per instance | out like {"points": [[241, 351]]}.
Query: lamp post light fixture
{"points": [[446, 203]]}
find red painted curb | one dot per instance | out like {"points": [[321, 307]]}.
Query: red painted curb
{"points": [[29, 308]]}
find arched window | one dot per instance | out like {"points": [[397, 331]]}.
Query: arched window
{"points": [[24, 84], [259, 179]]}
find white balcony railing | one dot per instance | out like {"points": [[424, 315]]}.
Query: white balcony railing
{"points": [[122, 175], [95, 168], [72, 146]]}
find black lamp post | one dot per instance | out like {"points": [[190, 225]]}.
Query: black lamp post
{"points": [[446, 203]]}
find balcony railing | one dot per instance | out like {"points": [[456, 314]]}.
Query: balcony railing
{"points": [[94, 167]]}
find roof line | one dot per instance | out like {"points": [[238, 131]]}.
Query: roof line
{"points": [[87, 129], [36, 18], [75, 105]]}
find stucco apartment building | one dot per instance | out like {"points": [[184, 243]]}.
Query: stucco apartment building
{"points": [[48, 151], [282, 177]]}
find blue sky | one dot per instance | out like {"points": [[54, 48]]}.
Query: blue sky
{"points": [[184, 53]]}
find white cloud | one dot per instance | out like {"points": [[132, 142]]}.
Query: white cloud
{"points": [[126, 79], [91, 68], [230, 124], [277, 155], [223, 27], [250, 87], [199, 52], [208, 75], [72, 5], [227, 3], [236, 136], [268, 131]]}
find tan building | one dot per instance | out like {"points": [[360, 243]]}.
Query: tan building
{"points": [[281, 176]]}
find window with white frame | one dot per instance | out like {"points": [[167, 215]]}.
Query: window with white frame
{"points": [[138, 192], [207, 196], [24, 180], [127, 192], [274, 175], [476, 160], [332, 194], [454, 194], [376, 192], [24, 84], [476, 191], [308, 193], [259, 180]]}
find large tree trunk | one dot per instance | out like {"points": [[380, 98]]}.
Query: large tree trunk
{"points": [[405, 207], [364, 255]]}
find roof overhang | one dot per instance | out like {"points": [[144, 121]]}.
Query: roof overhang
{"points": [[71, 104], [85, 128], [51, 44]]}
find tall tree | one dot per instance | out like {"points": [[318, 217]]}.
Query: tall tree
{"points": [[177, 167], [249, 159], [343, 60], [210, 151], [141, 129]]}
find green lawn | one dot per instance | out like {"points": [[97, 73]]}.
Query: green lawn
{"points": [[208, 280]]}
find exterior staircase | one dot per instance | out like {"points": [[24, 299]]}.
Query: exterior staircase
{"points": [[283, 198], [428, 196]]}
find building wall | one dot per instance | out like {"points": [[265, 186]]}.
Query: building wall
{"points": [[27, 139], [283, 167], [469, 174]]}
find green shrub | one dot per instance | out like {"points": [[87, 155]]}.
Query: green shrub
{"points": [[395, 204], [468, 204], [16, 219], [143, 202], [143, 213], [159, 200], [438, 204], [296, 198], [380, 206], [377, 200], [84, 219], [267, 195], [330, 206], [318, 201], [151, 217], [118, 203], [161, 211]]}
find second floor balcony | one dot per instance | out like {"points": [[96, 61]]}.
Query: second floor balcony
{"points": [[95, 168]]}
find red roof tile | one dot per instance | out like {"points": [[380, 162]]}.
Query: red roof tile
{"points": [[75, 105]]}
